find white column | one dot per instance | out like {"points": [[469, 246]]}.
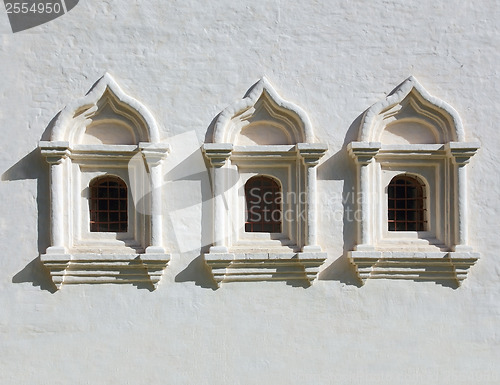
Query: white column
{"points": [[219, 210], [460, 154], [363, 153], [55, 153], [312, 222], [364, 234], [156, 207], [56, 203], [153, 155], [462, 230], [311, 154], [217, 154]]}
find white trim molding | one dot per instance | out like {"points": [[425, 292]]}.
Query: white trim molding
{"points": [[263, 97], [263, 134], [105, 133], [415, 134]]}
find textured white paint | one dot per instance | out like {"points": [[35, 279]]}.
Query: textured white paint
{"points": [[187, 61]]}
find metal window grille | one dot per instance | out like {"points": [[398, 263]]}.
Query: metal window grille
{"points": [[108, 205], [263, 205], [406, 204]]}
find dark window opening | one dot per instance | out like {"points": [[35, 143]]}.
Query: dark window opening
{"points": [[263, 205], [108, 205], [406, 204]]}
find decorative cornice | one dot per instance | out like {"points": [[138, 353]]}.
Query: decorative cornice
{"points": [[217, 153], [461, 152], [311, 153], [55, 152], [99, 153], [363, 152], [154, 153]]}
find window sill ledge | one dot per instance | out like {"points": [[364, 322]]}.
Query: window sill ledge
{"points": [[142, 270], [417, 266], [264, 266]]}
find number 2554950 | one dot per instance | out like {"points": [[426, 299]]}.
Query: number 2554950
{"points": [[33, 8]]}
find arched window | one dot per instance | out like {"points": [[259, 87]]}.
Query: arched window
{"points": [[411, 158], [406, 204], [263, 205], [263, 134], [91, 218], [108, 205]]}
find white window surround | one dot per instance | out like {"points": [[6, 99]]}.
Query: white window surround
{"points": [[412, 132], [98, 135], [262, 134]]}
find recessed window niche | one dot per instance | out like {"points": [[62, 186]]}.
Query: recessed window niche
{"points": [[105, 199], [267, 139], [411, 158]]}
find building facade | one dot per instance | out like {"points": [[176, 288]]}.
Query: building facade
{"points": [[246, 193]]}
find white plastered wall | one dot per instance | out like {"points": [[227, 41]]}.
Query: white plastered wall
{"points": [[187, 61]]}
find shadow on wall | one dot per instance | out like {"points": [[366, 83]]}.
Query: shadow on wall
{"points": [[340, 167], [33, 166], [211, 127], [193, 168], [198, 272]]}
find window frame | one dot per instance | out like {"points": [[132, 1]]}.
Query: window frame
{"points": [[426, 173], [442, 252], [95, 197], [234, 160], [84, 239], [410, 181], [75, 254], [277, 192], [279, 174]]}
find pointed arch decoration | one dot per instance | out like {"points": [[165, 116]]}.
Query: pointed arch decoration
{"points": [[410, 101], [98, 136], [277, 111], [413, 132], [264, 135], [80, 112]]}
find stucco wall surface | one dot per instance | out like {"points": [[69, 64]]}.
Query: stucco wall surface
{"points": [[186, 61]]}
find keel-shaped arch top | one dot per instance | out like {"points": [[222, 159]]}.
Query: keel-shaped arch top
{"points": [[411, 106], [263, 117], [105, 115]]}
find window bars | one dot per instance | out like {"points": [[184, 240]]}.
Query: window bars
{"points": [[263, 205], [108, 205], [406, 204]]}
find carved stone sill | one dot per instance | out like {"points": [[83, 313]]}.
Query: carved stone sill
{"points": [[417, 266], [255, 267], [144, 270]]}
